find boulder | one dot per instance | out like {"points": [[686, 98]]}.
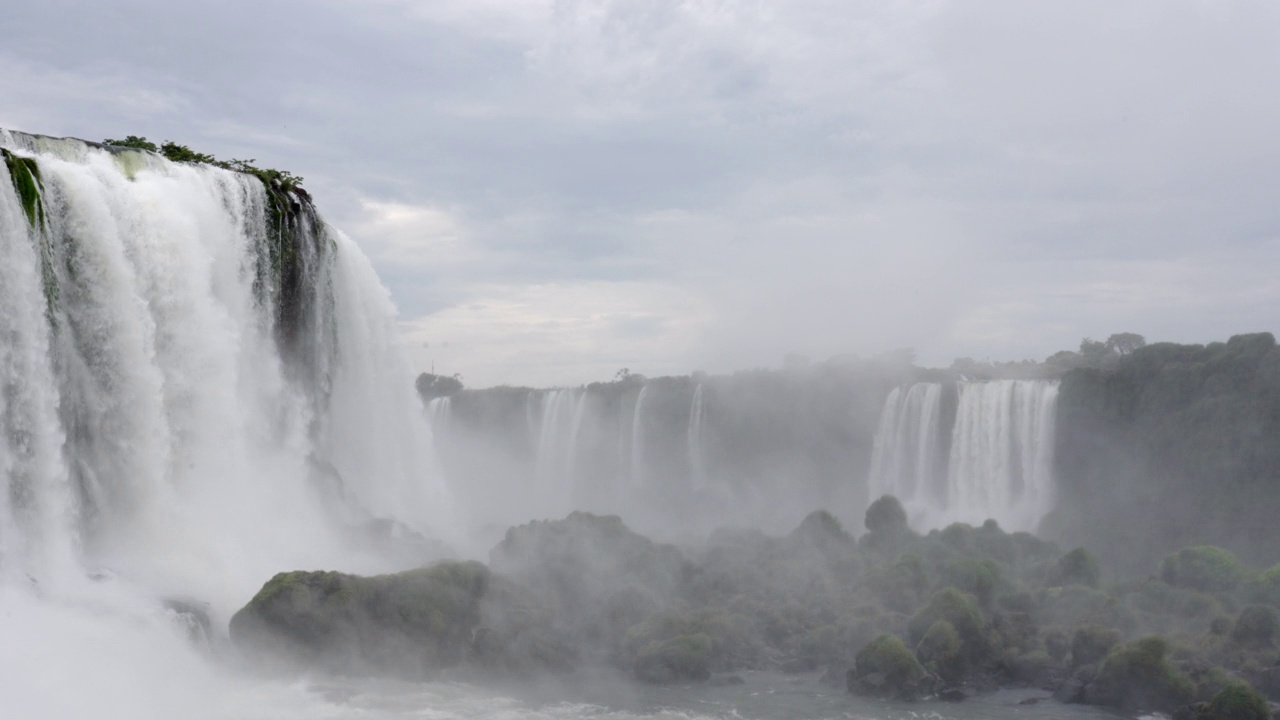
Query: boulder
{"points": [[886, 668], [408, 624]]}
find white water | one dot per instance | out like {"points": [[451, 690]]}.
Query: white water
{"points": [[697, 430], [1000, 460], [556, 458], [637, 465], [153, 436]]}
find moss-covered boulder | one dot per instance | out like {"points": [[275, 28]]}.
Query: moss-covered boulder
{"points": [[939, 650], [961, 611], [590, 577], [1237, 701], [1092, 643], [1205, 568], [410, 623], [1256, 626], [1078, 567], [886, 668], [682, 658], [1139, 677]]}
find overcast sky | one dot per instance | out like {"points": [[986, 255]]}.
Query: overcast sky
{"points": [[553, 190]]}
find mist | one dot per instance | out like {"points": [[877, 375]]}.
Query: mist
{"points": [[772, 360]]}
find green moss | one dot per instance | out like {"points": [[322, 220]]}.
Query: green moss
{"points": [[677, 659], [1077, 567], [888, 655], [1138, 676], [1091, 643], [1257, 625], [979, 578], [1206, 568], [1238, 701], [962, 612], [939, 650], [24, 172]]}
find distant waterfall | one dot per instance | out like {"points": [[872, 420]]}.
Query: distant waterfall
{"points": [[1000, 460], [439, 414], [697, 428], [561, 422], [907, 457], [637, 440]]}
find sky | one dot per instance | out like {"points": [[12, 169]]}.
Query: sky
{"points": [[554, 190]]}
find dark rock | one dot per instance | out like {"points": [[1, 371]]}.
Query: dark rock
{"points": [[1071, 690], [1138, 677], [726, 680], [1029, 701], [952, 694], [411, 623]]}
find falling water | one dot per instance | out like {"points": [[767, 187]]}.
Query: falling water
{"points": [[439, 414], [1001, 463], [637, 440], [697, 422], [555, 464], [194, 394], [906, 459], [1000, 460]]}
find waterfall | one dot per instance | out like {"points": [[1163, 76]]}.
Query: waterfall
{"points": [[637, 474], [697, 422], [439, 414], [199, 378], [555, 462], [1000, 459], [906, 457], [1001, 462]]}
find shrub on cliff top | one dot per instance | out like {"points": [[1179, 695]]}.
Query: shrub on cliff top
{"points": [[1237, 701]]}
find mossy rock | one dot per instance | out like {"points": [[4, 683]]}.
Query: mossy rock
{"points": [[1078, 567], [1257, 626], [1138, 677], [1206, 568], [939, 650], [683, 658], [980, 578], [1091, 643], [886, 668], [1265, 588], [411, 623], [1237, 701], [961, 610]]}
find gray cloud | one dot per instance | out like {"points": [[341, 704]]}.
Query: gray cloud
{"points": [[568, 187]]}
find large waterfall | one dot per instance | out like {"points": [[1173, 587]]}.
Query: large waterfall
{"points": [[995, 461], [199, 387]]}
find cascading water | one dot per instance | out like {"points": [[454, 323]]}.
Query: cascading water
{"points": [[636, 465], [1000, 459], [439, 414], [906, 458], [1001, 463], [199, 387], [697, 429], [555, 464]]}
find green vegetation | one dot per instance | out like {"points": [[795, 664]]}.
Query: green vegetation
{"points": [[1076, 567], [181, 153], [1237, 701], [1172, 445], [1205, 568], [1138, 676], [886, 667], [24, 172], [1091, 643]]}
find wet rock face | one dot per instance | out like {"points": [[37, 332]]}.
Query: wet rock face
{"points": [[408, 624]]}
